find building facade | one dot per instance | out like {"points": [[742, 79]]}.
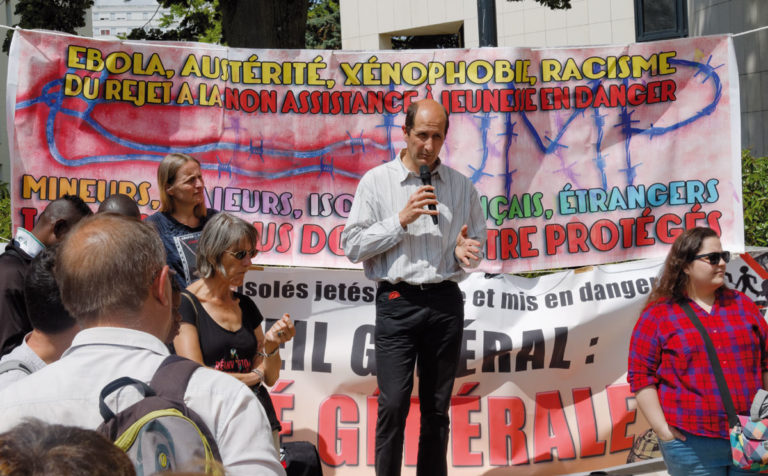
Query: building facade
{"points": [[111, 18], [372, 25]]}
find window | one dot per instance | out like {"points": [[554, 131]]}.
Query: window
{"points": [[104, 32], [411, 42], [660, 19]]}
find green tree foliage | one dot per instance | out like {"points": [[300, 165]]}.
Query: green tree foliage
{"points": [[59, 15], [5, 211], [239, 23], [754, 178], [194, 20], [323, 25]]}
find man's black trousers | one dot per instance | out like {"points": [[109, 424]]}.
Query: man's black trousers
{"points": [[416, 326]]}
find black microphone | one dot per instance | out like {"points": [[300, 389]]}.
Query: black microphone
{"points": [[426, 179]]}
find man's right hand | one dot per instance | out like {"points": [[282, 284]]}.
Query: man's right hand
{"points": [[417, 205]]}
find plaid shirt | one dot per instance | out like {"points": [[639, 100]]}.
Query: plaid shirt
{"points": [[668, 352]]}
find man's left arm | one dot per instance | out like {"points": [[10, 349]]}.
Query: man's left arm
{"points": [[471, 238], [239, 423]]}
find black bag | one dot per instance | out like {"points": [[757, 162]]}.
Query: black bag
{"points": [[300, 458], [159, 432]]}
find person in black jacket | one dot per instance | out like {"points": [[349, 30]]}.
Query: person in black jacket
{"points": [[54, 223]]}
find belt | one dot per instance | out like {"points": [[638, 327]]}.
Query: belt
{"points": [[403, 286]]}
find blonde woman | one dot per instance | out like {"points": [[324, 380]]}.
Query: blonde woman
{"points": [[182, 213]]}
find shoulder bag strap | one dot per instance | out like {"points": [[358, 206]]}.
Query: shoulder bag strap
{"points": [[725, 394], [186, 294]]}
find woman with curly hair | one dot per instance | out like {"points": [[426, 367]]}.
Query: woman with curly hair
{"points": [[669, 369]]}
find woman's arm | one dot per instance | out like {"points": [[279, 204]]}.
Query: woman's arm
{"points": [[648, 401], [187, 344], [269, 344]]}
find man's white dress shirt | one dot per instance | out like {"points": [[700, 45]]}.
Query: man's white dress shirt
{"points": [[67, 392], [424, 252]]}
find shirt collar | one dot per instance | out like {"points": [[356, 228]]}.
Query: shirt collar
{"points": [[404, 172], [118, 336]]}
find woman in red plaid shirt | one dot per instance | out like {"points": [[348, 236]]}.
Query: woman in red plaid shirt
{"points": [[669, 369]]}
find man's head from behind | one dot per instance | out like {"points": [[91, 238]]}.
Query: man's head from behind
{"points": [[59, 217], [111, 271], [41, 294], [37, 448], [121, 204]]}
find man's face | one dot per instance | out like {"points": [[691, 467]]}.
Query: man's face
{"points": [[426, 138]]}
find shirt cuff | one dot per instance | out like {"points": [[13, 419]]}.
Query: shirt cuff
{"points": [[393, 224], [637, 382]]}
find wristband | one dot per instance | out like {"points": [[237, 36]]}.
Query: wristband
{"points": [[265, 355], [260, 374]]}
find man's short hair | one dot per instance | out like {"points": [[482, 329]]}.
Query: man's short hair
{"points": [[34, 447], [219, 234], [410, 117], [65, 207], [105, 266], [41, 294], [78, 204], [121, 204]]}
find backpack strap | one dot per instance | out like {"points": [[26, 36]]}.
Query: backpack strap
{"points": [[116, 384], [10, 365], [171, 378], [170, 382]]}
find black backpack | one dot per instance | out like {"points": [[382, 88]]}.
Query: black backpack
{"points": [[159, 432]]}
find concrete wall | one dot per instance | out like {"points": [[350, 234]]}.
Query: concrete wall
{"points": [[369, 24], [588, 22]]}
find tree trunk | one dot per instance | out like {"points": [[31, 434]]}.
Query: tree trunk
{"points": [[264, 23]]}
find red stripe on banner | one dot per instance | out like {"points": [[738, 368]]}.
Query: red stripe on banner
{"points": [[762, 272]]}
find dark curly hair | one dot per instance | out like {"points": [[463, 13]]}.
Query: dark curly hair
{"points": [[673, 282]]}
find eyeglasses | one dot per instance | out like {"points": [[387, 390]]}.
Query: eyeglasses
{"points": [[243, 253], [715, 257]]}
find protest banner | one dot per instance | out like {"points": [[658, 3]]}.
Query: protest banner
{"points": [[542, 374], [581, 155], [542, 380]]}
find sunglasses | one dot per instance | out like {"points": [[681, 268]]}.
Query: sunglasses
{"points": [[242, 254], [715, 257]]}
